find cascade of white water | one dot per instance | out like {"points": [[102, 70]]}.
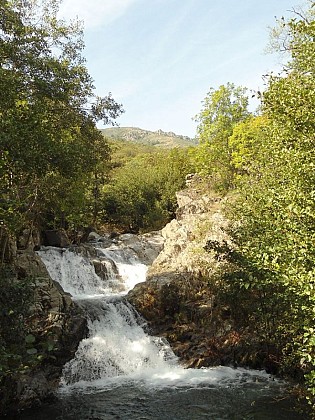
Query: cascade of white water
{"points": [[118, 348], [74, 272], [128, 264]]}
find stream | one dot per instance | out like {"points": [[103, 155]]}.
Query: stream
{"points": [[122, 372]]}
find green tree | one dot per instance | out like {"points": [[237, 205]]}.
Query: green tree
{"points": [[275, 211], [47, 107], [141, 193], [246, 142], [222, 110]]}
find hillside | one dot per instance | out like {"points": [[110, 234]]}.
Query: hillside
{"points": [[152, 138]]}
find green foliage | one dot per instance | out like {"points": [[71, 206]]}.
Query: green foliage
{"points": [[245, 143], [141, 193], [222, 110], [121, 152], [47, 111], [16, 297], [274, 214]]}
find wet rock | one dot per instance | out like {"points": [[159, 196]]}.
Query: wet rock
{"points": [[93, 236], [55, 318]]}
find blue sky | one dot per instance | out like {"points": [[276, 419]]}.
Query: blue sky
{"points": [[159, 58]]}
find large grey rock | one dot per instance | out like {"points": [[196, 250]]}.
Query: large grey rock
{"points": [[145, 247], [199, 219], [54, 317], [180, 297]]}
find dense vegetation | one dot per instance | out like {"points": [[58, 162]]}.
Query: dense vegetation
{"points": [[140, 194], [54, 161], [268, 159], [49, 144], [16, 349]]}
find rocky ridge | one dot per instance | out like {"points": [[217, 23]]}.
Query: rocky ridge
{"points": [[157, 138]]}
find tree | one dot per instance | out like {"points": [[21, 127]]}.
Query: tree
{"points": [[246, 142], [275, 211], [47, 106], [141, 193], [222, 110]]}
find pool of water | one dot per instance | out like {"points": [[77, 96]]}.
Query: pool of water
{"points": [[259, 401]]}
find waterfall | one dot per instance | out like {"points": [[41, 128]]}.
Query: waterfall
{"points": [[118, 348]]}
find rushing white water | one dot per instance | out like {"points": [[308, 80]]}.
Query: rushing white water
{"points": [[118, 349], [130, 268], [76, 273]]}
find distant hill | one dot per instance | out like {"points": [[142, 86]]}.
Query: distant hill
{"points": [[152, 138]]}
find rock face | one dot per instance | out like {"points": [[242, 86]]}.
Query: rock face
{"points": [[182, 298], [53, 310], [147, 247], [58, 326]]}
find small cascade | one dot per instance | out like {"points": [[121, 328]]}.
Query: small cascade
{"points": [[117, 346], [74, 272], [129, 267]]}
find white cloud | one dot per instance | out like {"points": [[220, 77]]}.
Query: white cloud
{"points": [[94, 12]]}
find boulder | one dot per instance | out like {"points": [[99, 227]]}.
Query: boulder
{"points": [[146, 247], [28, 239], [54, 318], [57, 238]]}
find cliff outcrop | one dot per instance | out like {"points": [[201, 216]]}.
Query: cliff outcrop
{"points": [[186, 298]]}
